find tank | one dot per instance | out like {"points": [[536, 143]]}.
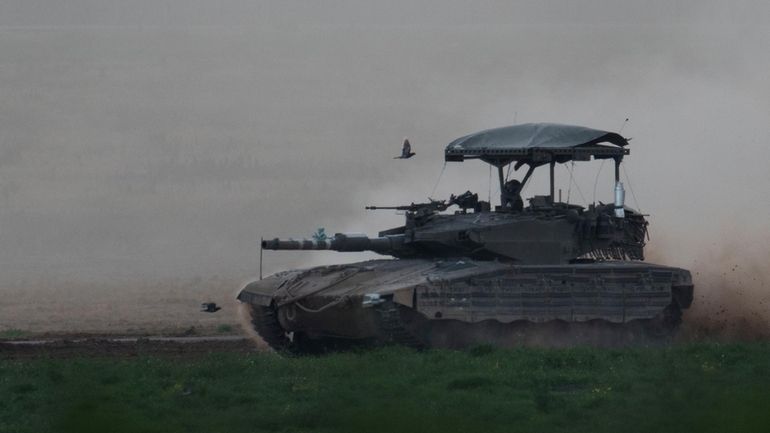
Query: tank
{"points": [[462, 272]]}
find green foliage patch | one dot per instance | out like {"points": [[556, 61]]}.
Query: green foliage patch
{"points": [[13, 334], [704, 388], [225, 328]]}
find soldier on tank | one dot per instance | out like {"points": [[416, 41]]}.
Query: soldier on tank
{"points": [[465, 201], [512, 196]]}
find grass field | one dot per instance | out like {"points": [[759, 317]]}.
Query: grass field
{"points": [[697, 388]]}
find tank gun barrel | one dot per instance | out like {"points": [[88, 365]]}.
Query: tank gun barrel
{"points": [[388, 207], [339, 242], [433, 205]]}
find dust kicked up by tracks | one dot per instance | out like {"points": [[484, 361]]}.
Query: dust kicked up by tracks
{"points": [[732, 285]]}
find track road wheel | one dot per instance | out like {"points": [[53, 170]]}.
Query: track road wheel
{"points": [[265, 322]]}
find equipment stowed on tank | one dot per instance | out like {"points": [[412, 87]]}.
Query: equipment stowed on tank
{"points": [[550, 273]]}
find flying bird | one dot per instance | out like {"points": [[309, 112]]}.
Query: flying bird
{"points": [[210, 307], [406, 151]]}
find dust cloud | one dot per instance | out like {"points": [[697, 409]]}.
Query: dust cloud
{"points": [[244, 320], [732, 296], [150, 144]]}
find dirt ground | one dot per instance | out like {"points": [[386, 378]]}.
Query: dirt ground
{"points": [[171, 307], [123, 319], [105, 347]]}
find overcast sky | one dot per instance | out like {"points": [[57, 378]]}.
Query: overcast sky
{"points": [[151, 139]]}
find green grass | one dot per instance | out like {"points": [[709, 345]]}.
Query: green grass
{"points": [[225, 328], [13, 334], [696, 388]]}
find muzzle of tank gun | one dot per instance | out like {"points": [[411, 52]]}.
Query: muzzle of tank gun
{"points": [[340, 242]]}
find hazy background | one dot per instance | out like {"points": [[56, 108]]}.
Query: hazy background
{"points": [[147, 145]]}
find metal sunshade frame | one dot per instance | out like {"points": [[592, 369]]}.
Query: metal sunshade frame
{"points": [[562, 143]]}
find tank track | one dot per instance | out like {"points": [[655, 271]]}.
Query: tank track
{"points": [[265, 322], [393, 328]]}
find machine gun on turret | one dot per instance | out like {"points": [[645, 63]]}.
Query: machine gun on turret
{"points": [[464, 201], [417, 211], [432, 205]]}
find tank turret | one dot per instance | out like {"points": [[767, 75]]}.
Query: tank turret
{"points": [[542, 233], [547, 231]]}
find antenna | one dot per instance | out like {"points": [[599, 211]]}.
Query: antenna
{"points": [[623, 125], [596, 181], [433, 191], [572, 181]]}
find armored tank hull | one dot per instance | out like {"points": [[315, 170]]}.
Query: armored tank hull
{"points": [[461, 302]]}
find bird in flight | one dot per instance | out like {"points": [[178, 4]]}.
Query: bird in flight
{"points": [[406, 151], [210, 307]]}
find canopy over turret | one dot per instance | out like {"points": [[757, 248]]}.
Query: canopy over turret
{"points": [[536, 144]]}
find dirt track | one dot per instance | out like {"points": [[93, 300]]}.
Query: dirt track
{"points": [[185, 347]]}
